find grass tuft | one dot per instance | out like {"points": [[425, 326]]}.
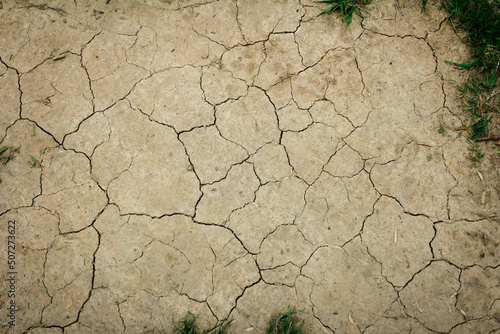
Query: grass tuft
{"points": [[477, 155], [186, 326], [481, 20], [346, 8], [285, 323], [480, 128]]}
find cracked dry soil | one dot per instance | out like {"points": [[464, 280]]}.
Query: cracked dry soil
{"points": [[233, 157]]}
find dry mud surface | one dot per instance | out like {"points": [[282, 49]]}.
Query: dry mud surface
{"points": [[233, 157]]}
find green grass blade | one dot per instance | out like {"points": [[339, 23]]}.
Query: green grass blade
{"points": [[7, 159]]}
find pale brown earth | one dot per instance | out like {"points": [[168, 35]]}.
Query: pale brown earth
{"points": [[231, 158]]}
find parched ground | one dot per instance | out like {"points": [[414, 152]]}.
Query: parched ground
{"points": [[234, 157]]}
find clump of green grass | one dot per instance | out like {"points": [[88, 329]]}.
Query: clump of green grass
{"points": [[481, 20], [480, 128], [346, 8], [186, 326], [477, 155], [285, 323], [481, 105]]}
